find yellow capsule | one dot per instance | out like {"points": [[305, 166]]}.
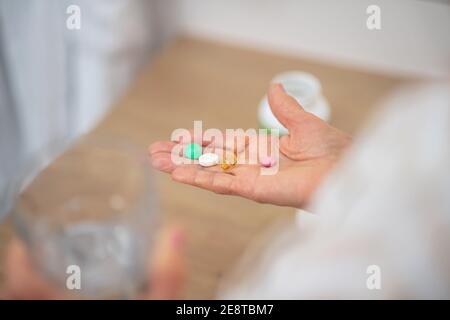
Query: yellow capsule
{"points": [[228, 163]]}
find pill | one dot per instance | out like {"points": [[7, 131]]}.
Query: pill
{"points": [[208, 159], [267, 162], [229, 161], [193, 151]]}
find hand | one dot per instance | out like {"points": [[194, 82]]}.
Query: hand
{"points": [[307, 154], [22, 281]]}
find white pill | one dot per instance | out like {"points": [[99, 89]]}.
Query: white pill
{"points": [[208, 159]]}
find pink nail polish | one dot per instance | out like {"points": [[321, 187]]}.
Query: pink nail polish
{"points": [[177, 239]]}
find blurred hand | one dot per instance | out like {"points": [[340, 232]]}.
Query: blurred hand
{"points": [[307, 154], [166, 272]]}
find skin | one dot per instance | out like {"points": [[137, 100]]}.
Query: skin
{"points": [[307, 155]]}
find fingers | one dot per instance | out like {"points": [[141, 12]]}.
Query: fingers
{"points": [[213, 180], [164, 154], [168, 268], [285, 108], [161, 146], [22, 280], [160, 154], [163, 162]]}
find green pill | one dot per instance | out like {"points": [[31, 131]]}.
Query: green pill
{"points": [[193, 151]]}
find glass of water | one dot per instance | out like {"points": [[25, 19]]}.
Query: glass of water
{"points": [[90, 210]]}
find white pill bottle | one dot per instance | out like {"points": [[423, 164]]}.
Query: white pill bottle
{"points": [[307, 90]]}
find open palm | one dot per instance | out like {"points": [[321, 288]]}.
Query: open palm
{"points": [[307, 154]]}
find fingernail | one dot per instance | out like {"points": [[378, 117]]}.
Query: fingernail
{"points": [[279, 85], [177, 239]]}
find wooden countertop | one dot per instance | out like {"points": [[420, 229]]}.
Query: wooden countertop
{"points": [[221, 85]]}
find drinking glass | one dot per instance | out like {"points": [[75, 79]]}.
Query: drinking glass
{"points": [[92, 207]]}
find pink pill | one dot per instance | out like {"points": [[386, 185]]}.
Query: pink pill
{"points": [[267, 162]]}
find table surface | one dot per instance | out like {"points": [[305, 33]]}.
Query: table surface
{"points": [[222, 85]]}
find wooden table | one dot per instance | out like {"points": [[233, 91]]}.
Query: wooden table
{"points": [[221, 85]]}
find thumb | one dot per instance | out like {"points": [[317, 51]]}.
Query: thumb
{"points": [[285, 108]]}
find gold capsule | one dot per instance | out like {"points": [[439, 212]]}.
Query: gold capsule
{"points": [[227, 163]]}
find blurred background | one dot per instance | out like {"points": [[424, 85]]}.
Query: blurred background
{"points": [[138, 69]]}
